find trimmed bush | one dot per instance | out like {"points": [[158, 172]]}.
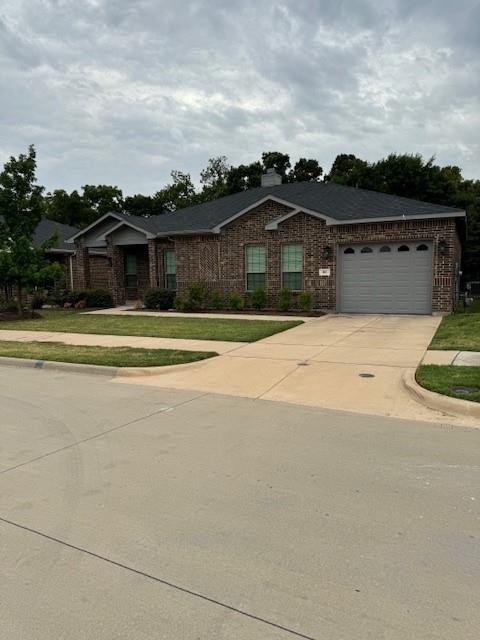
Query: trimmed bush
{"points": [[10, 306], [216, 300], [284, 300], [305, 301], [179, 303], [98, 298], [236, 302], [161, 299], [197, 296], [259, 299]]}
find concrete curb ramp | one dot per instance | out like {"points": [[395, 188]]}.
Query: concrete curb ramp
{"points": [[439, 402]]}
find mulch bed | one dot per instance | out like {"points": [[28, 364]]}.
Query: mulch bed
{"points": [[253, 312]]}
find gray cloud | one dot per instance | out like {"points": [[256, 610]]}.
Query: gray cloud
{"points": [[123, 91]]}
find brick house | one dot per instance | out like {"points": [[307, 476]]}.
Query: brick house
{"points": [[354, 250], [65, 254]]}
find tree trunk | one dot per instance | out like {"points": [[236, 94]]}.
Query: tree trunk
{"points": [[20, 299]]}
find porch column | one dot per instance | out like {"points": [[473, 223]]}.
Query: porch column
{"points": [[117, 284], [153, 264], [82, 260]]}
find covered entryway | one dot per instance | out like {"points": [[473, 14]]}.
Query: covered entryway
{"points": [[392, 277]]}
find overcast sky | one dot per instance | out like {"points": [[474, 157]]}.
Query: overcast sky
{"points": [[123, 91]]}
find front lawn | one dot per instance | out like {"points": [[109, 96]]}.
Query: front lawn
{"points": [[106, 356], [459, 332], [443, 379], [234, 330]]}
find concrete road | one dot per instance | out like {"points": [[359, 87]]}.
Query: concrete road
{"points": [[131, 512]]}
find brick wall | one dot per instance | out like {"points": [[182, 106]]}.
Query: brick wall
{"points": [[219, 260]]}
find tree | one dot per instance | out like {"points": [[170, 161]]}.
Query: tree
{"points": [[177, 195], [245, 176], [305, 170], [102, 199], [139, 205], [21, 208], [68, 208], [276, 160], [347, 169]]}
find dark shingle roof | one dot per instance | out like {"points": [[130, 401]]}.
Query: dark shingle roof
{"points": [[343, 204], [47, 228]]}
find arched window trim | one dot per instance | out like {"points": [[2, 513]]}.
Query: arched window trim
{"points": [[349, 250], [385, 249], [366, 250], [403, 247], [422, 247]]}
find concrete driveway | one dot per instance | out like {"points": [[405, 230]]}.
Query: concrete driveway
{"points": [[321, 363], [135, 513]]}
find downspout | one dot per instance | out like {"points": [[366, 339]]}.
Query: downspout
{"points": [[71, 270]]}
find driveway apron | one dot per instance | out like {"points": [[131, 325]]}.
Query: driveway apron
{"points": [[346, 362]]}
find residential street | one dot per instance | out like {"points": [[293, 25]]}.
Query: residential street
{"points": [[136, 512]]}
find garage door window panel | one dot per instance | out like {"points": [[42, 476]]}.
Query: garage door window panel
{"points": [[292, 267]]}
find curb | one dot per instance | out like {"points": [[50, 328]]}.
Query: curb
{"points": [[95, 369], [437, 401], [137, 372], [53, 365]]}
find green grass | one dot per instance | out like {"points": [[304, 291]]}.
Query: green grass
{"points": [[443, 378], [234, 330], [459, 332], [106, 356]]}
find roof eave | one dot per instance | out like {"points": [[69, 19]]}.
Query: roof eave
{"points": [[404, 218]]}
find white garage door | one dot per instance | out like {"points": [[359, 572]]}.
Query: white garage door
{"points": [[385, 278]]}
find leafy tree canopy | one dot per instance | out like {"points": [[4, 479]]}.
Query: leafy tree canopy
{"points": [[21, 207]]}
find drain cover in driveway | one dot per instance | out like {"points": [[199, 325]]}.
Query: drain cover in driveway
{"points": [[366, 375]]}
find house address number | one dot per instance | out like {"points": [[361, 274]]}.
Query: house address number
{"points": [[324, 272]]}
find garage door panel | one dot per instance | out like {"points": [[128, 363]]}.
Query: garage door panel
{"points": [[386, 281]]}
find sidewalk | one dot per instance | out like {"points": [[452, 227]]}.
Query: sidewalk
{"points": [[457, 358], [97, 340]]}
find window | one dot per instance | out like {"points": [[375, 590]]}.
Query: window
{"points": [[403, 247], [170, 269], [349, 250], [422, 247], [255, 267], [130, 271], [366, 250], [385, 249], [292, 266]]}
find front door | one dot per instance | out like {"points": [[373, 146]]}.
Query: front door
{"points": [[131, 280]]}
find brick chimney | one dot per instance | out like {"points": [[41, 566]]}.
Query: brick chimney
{"points": [[271, 178]]}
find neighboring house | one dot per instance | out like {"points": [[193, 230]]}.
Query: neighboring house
{"points": [[354, 250], [65, 254]]}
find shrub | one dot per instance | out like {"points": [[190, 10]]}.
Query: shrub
{"points": [[236, 302], [179, 303], [10, 306], [284, 300], [197, 296], [162, 299], [216, 300], [98, 298], [37, 301], [75, 295], [259, 298], [305, 301]]}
